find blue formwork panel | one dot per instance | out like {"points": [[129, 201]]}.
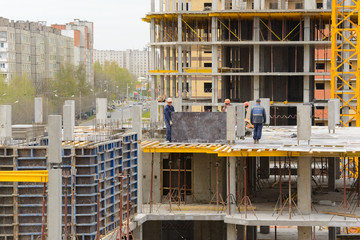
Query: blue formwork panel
{"points": [[96, 164]]}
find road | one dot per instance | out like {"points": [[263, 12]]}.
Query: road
{"points": [[116, 114]]}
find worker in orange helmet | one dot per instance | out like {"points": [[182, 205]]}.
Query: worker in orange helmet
{"points": [[227, 103]]}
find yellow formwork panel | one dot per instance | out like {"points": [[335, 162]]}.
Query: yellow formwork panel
{"points": [[24, 176]]}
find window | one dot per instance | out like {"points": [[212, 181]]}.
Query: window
{"points": [[320, 65], [2, 65], [2, 45], [207, 51], [320, 86], [320, 108], [319, 124], [207, 64], [207, 6], [319, 5], [208, 87]]}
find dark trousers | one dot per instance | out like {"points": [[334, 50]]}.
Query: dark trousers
{"points": [[168, 131], [257, 131]]}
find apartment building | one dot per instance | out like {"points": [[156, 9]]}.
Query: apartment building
{"points": [[83, 34], [136, 61], [32, 49]]}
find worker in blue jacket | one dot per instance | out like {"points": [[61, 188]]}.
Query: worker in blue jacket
{"points": [[257, 118], [168, 109]]}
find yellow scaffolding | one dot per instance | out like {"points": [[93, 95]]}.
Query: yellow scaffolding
{"points": [[345, 47], [24, 176]]}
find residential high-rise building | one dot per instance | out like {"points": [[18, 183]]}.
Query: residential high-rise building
{"points": [[83, 34], [136, 61], [33, 49]]}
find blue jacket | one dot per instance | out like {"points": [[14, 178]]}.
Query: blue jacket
{"points": [[258, 114], [167, 112]]}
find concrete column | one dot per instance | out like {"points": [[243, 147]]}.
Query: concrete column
{"points": [[265, 229], [331, 174], [265, 103], [139, 233], [167, 6], [304, 233], [309, 4], [177, 103], [38, 110], [162, 67], [137, 120], [101, 109], [214, 5], [54, 153], [152, 57], [222, 5], [5, 123], [251, 232], [173, 5], [55, 139], [174, 68], [264, 167], [152, 6], [67, 122], [231, 170], [72, 104], [214, 96], [154, 114], [161, 5], [230, 124], [307, 58], [180, 60], [231, 232], [257, 4], [332, 233], [240, 130], [256, 57], [304, 185], [167, 68], [304, 122], [54, 205]]}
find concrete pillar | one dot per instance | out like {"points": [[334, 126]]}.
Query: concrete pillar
{"points": [[304, 122], [161, 5], [54, 153], [240, 179], [101, 109], [180, 60], [177, 103], [38, 110], [256, 57], [231, 232], [214, 22], [152, 57], [152, 6], [139, 233], [137, 120], [251, 232], [240, 130], [167, 93], [231, 182], [309, 4], [222, 5], [67, 122], [331, 174], [307, 58], [55, 139], [257, 4], [332, 233], [333, 114], [54, 204], [167, 6], [304, 233], [265, 103], [72, 104], [154, 114], [5, 123], [304, 185], [174, 68], [214, 5], [230, 124]]}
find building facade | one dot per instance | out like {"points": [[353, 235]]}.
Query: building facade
{"points": [[32, 49], [83, 34], [136, 61]]}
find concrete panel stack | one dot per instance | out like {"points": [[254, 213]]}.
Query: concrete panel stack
{"points": [[230, 124], [304, 122], [240, 130]]}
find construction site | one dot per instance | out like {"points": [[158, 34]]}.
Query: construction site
{"points": [[115, 180]]}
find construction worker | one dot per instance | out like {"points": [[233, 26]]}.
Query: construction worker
{"points": [[168, 109], [227, 103], [257, 118]]}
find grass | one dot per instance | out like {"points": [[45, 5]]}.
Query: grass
{"points": [[146, 114]]}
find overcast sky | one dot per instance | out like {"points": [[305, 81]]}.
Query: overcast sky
{"points": [[117, 23]]}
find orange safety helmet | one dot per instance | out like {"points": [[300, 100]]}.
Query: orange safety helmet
{"points": [[246, 104], [227, 100]]}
